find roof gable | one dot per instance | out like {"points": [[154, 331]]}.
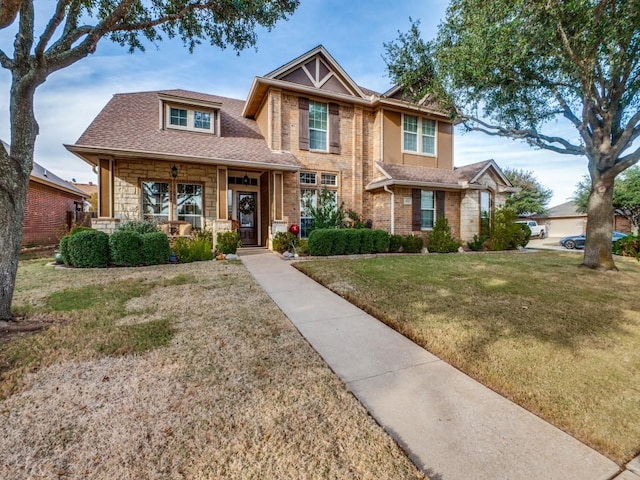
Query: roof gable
{"points": [[473, 172], [317, 69]]}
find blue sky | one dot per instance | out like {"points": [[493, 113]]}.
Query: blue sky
{"points": [[353, 32]]}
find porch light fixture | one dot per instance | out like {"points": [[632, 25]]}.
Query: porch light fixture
{"points": [[246, 180], [174, 172]]}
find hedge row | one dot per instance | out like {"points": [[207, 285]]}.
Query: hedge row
{"points": [[95, 249], [351, 241]]}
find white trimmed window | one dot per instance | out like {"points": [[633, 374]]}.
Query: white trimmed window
{"points": [[427, 209], [418, 135], [155, 201], [189, 204], [318, 124], [311, 194], [329, 180], [308, 178], [197, 120]]}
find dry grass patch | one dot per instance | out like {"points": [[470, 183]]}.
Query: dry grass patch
{"points": [[561, 341], [236, 393]]}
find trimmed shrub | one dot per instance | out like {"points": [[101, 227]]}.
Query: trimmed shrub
{"points": [[126, 248], [155, 248], [395, 243], [303, 247], [283, 241], [505, 233], [338, 241], [226, 242], [320, 242], [78, 229], [527, 234], [441, 240], [64, 249], [193, 249], [380, 241], [412, 243], [89, 249], [366, 240], [138, 226], [627, 246], [477, 243], [352, 241]]}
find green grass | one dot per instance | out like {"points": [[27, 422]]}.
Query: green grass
{"points": [[562, 341], [83, 322]]}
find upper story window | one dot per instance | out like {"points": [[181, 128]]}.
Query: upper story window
{"points": [[418, 135], [178, 116], [318, 123], [184, 118], [319, 126]]}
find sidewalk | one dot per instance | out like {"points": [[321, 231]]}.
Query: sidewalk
{"points": [[451, 426]]}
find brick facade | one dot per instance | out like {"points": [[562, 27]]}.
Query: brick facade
{"points": [[45, 215]]}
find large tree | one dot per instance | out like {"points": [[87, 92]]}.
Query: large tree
{"points": [[73, 31], [532, 198], [626, 195], [512, 67]]}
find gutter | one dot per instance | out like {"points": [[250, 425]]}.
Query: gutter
{"points": [[79, 150], [393, 209]]}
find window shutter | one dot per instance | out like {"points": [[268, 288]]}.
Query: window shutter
{"points": [[416, 216], [334, 128], [440, 194], [303, 123]]}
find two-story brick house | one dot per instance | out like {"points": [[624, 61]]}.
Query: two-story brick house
{"points": [[212, 161]]}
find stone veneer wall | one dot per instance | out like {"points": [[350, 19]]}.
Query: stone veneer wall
{"points": [[130, 173]]}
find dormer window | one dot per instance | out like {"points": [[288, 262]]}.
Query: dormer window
{"points": [[178, 117], [185, 114]]}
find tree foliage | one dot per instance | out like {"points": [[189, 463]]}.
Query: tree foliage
{"points": [[72, 32], [532, 198], [626, 195], [513, 66]]}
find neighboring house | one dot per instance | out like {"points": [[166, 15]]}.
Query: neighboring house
{"points": [[564, 220], [50, 208], [176, 155]]}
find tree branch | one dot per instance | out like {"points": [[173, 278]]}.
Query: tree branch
{"points": [[51, 27], [5, 61], [627, 161], [530, 135]]}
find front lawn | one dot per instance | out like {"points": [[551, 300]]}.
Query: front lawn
{"points": [[562, 341], [174, 371]]}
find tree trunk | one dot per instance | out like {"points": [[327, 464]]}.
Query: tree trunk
{"points": [[16, 169], [597, 250]]}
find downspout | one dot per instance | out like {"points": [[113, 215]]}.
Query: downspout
{"points": [[393, 209]]}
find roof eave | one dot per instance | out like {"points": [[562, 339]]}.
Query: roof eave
{"points": [[412, 183], [79, 150]]}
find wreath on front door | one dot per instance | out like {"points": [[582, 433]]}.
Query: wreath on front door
{"points": [[247, 205]]}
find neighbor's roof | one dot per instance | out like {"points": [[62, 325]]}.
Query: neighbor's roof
{"points": [[567, 209], [460, 178], [129, 125], [40, 174]]}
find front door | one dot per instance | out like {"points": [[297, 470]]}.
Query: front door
{"points": [[247, 215]]}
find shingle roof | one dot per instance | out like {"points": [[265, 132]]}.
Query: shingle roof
{"points": [[42, 175], [459, 178], [567, 209], [468, 172], [130, 122], [410, 173]]}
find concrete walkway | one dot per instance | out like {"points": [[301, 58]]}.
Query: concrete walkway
{"points": [[451, 426]]}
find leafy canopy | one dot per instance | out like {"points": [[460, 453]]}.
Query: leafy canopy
{"points": [[626, 195], [532, 198], [514, 65]]}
